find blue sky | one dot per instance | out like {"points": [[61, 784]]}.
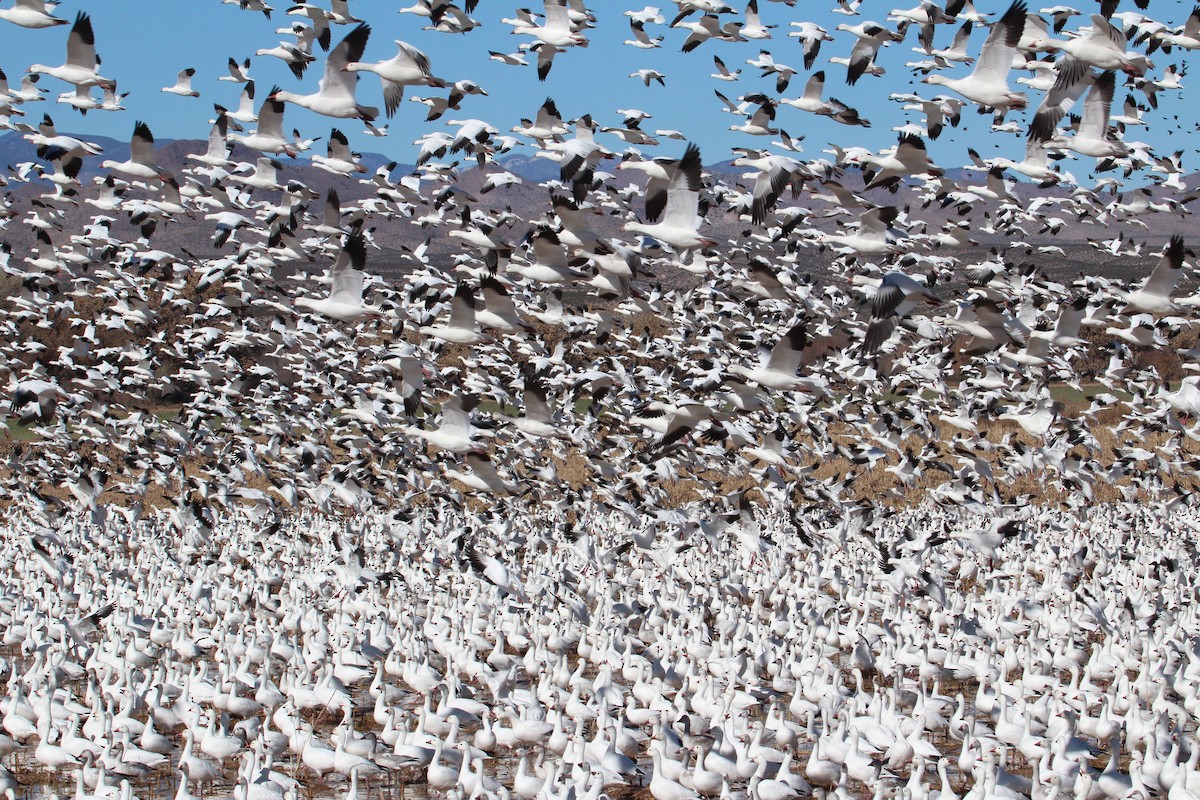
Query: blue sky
{"points": [[144, 43]]}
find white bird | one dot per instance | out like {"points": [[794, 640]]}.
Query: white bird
{"points": [[335, 95], [183, 84], [31, 14], [345, 301], [142, 161], [1154, 296], [409, 67], [987, 85], [679, 225], [81, 64]]}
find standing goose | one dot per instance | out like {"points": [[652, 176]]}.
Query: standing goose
{"points": [[335, 97]]}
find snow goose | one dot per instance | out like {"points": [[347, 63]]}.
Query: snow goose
{"points": [[142, 162], [1094, 137], [774, 174], [245, 110], [335, 96], [861, 61], [641, 39], [550, 262], [987, 85], [874, 236], [985, 326], [81, 64], [898, 294], [295, 54], [753, 27], [409, 67], [238, 73], [810, 36], [338, 158], [557, 30], [1187, 36], [462, 327], [269, 137], [1073, 77], [345, 301], [183, 84], [217, 153], [1104, 48], [678, 227], [499, 312], [546, 125], [777, 370], [1154, 296], [483, 477], [889, 168], [31, 14]]}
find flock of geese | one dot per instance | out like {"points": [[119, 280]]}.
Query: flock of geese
{"points": [[539, 518]]}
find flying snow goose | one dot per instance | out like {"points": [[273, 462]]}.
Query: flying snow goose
{"points": [[778, 369], [810, 35], [345, 301], [1154, 296], [269, 137], [295, 54], [217, 154], [898, 294], [874, 236], [987, 85], [678, 227], [335, 96], [483, 477], [456, 434], [908, 158], [31, 14], [338, 158], [1093, 137], [81, 64], [183, 84], [641, 39], [409, 67], [557, 30], [142, 162], [1104, 48], [238, 73], [462, 327]]}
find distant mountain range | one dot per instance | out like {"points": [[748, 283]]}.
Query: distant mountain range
{"points": [[527, 200]]}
